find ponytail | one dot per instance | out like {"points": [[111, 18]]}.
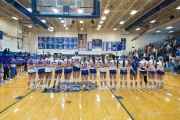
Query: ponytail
{"points": [[124, 62], [113, 57], [103, 58], [93, 58]]}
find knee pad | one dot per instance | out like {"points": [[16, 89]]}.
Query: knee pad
{"points": [[150, 80], [59, 79], [140, 80], [49, 79], [162, 81], [131, 81], [121, 80], [125, 80], [157, 81], [95, 80], [54, 79], [64, 80], [89, 80], [77, 79], [29, 80], [114, 79], [110, 79], [136, 80], [74, 80], [34, 80], [101, 79], [104, 80]]}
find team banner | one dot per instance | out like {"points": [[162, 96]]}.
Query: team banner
{"points": [[13, 60], [96, 43], [67, 43], [82, 41], [123, 43]]}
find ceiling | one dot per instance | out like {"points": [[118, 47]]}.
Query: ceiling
{"points": [[119, 10]]}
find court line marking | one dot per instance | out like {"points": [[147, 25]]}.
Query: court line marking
{"points": [[15, 102], [121, 104]]}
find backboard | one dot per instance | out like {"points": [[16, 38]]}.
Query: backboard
{"points": [[66, 8]]}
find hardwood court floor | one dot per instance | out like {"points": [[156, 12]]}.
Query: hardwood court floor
{"points": [[90, 105]]}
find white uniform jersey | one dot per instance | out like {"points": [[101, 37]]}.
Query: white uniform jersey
{"points": [[113, 64], [143, 65], [151, 65], [68, 62], [59, 64], [103, 65], [91, 63], [30, 64], [76, 61], [84, 65], [125, 65], [40, 64], [48, 64], [160, 66]]}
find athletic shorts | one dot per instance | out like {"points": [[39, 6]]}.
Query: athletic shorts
{"points": [[40, 71], [112, 71], [58, 71], [159, 72], [93, 71], [143, 72], [31, 72], [84, 72], [151, 72], [76, 68], [132, 72], [123, 71], [66, 71]]}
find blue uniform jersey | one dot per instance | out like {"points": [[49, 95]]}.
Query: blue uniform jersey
{"points": [[134, 65], [178, 52]]}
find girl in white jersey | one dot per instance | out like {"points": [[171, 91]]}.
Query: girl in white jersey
{"points": [[112, 72], [76, 70], [58, 72], [67, 71], [84, 73], [160, 73], [41, 70], [49, 63], [31, 64], [123, 64], [93, 73], [151, 72], [103, 64], [143, 64]]}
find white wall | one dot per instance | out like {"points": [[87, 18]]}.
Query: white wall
{"points": [[9, 28], [106, 35]]}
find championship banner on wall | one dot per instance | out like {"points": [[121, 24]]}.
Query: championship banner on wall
{"points": [[96, 43], [66, 43], [123, 43], [82, 41]]}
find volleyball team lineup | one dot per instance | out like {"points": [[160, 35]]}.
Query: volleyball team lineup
{"points": [[84, 72]]}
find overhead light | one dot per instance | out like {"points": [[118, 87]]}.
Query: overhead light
{"points": [[55, 10], [81, 21], [138, 28], [51, 29], [99, 26], [158, 31], [66, 28], [30, 26], [103, 18], [29, 9], [60, 18], [115, 29], [153, 21], [106, 11], [178, 8], [170, 31], [64, 25], [44, 21], [80, 11], [62, 21], [101, 22], [82, 28], [122, 22], [133, 12], [15, 18], [169, 27]]}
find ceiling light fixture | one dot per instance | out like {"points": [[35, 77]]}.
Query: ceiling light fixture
{"points": [[153, 21], [178, 8], [62, 21], [103, 18], [169, 27], [44, 21], [158, 31], [99, 26], [101, 22], [81, 21], [122, 22], [30, 26], [15, 18], [29, 9], [66, 28], [138, 28], [64, 25], [133, 12], [115, 29], [106, 11], [55, 10], [60, 18]]}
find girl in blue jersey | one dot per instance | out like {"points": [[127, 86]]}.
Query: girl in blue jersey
{"points": [[160, 73], [133, 72], [112, 72]]}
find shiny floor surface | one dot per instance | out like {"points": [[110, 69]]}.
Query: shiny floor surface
{"points": [[20, 104]]}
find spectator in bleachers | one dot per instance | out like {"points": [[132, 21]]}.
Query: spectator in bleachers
{"points": [[5, 52], [1, 74], [8, 51]]}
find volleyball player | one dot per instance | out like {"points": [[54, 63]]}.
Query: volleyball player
{"points": [[31, 64], [58, 72], [67, 71], [41, 70], [160, 73], [103, 64], [151, 72], [133, 72], [84, 73], [112, 72], [93, 72], [123, 64], [143, 64], [76, 70], [49, 63]]}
